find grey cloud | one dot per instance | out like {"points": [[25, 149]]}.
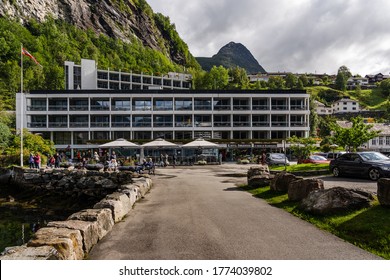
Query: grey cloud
{"points": [[284, 35]]}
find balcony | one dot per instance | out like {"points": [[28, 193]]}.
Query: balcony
{"points": [[298, 124], [162, 124], [260, 107], [279, 107], [183, 124], [99, 108], [298, 107], [222, 124], [222, 107], [78, 107], [241, 107], [241, 124], [260, 124], [142, 124], [279, 124], [121, 108]]}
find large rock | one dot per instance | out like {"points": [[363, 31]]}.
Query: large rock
{"points": [[67, 242], [259, 176], [383, 191], [88, 230], [30, 253], [336, 200], [300, 189], [282, 180], [101, 217]]}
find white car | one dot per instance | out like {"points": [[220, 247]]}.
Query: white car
{"points": [[276, 159]]}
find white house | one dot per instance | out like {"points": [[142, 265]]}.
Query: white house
{"points": [[345, 105], [322, 109]]}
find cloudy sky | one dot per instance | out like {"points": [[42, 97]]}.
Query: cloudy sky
{"points": [[289, 35]]}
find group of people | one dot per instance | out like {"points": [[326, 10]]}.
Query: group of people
{"points": [[34, 161], [164, 160]]}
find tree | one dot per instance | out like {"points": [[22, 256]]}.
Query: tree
{"points": [[354, 136], [302, 147], [385, 87], [343, 74], [5, 135], [239, 78], [291, 81], [276, 82], [217, 78]]}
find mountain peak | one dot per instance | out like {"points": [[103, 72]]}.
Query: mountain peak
{"points": [[232, 55]]}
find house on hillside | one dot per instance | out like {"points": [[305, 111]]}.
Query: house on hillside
{"points": [[353, 82], [322, 109], [373, 79], [345, 105]]}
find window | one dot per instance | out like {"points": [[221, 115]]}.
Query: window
{"points": [[78, 121], [163, 105], [101, 135], [241, 120], [100, 121], [222, 120], [58, 104], [58, 121], [142, 121], [37, 104], [183, 135], [120, 105], [380, 141], [61, 138], [162, 121], [142, 105], [387, 140], [100, 105], [203, 120], [183, 121], [374, 141], [120, 121], [183, 104], [202, 104], [80, 137], [36, 121], [78, 104]]}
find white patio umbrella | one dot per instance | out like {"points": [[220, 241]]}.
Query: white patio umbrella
{"points": [[119, 143], [200, 143], [159, 143]]}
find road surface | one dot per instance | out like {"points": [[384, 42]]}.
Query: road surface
{"points": [[199, 213]]}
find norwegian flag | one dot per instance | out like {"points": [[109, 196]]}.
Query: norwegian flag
{"points": [[26, 53]]}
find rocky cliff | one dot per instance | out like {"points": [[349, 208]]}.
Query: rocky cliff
{"points": [[121, 19], [232, 55]]}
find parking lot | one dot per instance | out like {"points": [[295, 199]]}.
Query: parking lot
{"points": [[348, 182]]}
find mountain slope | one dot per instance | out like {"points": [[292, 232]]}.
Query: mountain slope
{"points": [[232, 55], [118, 19]]}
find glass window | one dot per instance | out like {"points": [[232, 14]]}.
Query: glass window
{"points": [[61, 138], [142, 135], [163, 121], [121, 134], [183, 104], [142, 121], [202, 120], [36, 121], [260, 104], [100, 104], [183, 121], [80, 137], [222, 104], [58, 104], [58, 121], [37, 104], [79, 121], [241, 120], [163, 134], [241, 104], [78, 104], [163, 105], [142, 105], [100, 135], [121, 105], [120, 121], [183, 135], [221, 120], [100, 121], [203, 104]]}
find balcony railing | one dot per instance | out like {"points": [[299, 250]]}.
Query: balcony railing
{"points": [[183, 108], [160, 108], [99, 108], [202, 107], [183, 124], [222, 107], [240, 124], [279, 107], [203, 124], [121, 108], [78, 124], [58, 124], [36, 108], [120, 124], [298, 124], [142, 124], [162, 124], [99, 124], [58, 108], [260, 107], [78, 107], [222, 124], [36, 124], [241, 107], [279, 124], [260, 124]]}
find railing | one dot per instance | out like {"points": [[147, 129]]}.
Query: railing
{"points": [[183, 108], [120, 124], [260, 124], [239, 124], [78, 107], [36, 124], [203, 124], [222, 107], [159, 108], [298, 107], [260, 107], [78, 124], [142, 108], [202, 107], [279, 107], [36, 108], [222, 124], [99, 124], [121, 108], [99, 108], [278, 124], [183, 124], [241, 107], [58, 108], [57, 124], [142, 124], [162, 124], [299, 124]]}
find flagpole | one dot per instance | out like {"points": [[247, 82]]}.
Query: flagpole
{"points": [[21, 105]]}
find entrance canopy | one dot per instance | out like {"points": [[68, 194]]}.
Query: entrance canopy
{"points": [[119, 143]]}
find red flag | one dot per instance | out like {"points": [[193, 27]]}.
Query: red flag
{"points": [[26, 53]]}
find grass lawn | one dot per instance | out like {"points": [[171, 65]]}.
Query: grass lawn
{"points": [[368, 228], [302, 167]]}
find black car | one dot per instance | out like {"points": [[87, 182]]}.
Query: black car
{"points": [[371, 164]]}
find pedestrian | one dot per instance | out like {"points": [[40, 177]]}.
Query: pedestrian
{"points": [[263, 158], [96, 157], [37, 161], [162, 160], [57, 160], [166, 162], [31, 161], [174, 160]]}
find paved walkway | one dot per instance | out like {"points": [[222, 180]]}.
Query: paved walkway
{"points": [[199, 213]]}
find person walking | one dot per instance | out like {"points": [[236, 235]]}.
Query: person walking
{"points": [[31, 161], [37, 161], [174, 160], [57, 160]]}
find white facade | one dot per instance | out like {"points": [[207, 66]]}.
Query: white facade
{"points": [[81, 118], [345, 106], [322, 110], [87, 76]]}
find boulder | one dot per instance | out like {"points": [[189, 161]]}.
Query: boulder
{"points": [[133, 192], [88, 230], [336, 200], [101, 217], [299, 189], [383, 191], [282, 180], [67, 242], [258, 176], [30, 253]]}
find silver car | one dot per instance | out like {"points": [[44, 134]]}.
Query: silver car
{"points": [[276, 159]]}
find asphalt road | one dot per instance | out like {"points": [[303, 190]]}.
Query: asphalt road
{"points": [[199, 213]]}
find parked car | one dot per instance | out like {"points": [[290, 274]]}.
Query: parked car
{"points": [[314, 159], [276, 159], [371, 164]]}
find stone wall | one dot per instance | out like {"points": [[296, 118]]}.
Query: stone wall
{"points": [[73, 239]]}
